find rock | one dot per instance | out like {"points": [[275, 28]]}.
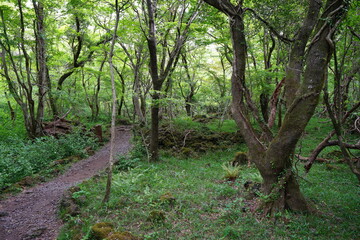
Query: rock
{"points": [[58, 127], [34, 233], [4, 214], [253, 189], [122, 236], [27, 181], [68, 204], [240, 158], [101, 230]]}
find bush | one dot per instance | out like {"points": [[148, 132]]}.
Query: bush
{"points": [[22, 158], [125, 163]]}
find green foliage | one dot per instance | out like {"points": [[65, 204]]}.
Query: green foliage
{"points": [[231, 171], [125, 163], [231, 233], [22, 158], [186, 123], [208, 208], [10, 129]]}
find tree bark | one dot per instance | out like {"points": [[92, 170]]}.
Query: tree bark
{"points": [[296, 59], [22, 88]]}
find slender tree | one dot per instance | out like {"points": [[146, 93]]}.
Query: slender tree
{"points": [[113, 112]]}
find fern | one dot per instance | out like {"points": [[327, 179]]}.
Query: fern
{"points": [[231, 171]]}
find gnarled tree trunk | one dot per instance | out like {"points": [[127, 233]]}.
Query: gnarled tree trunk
{"points": [[273, 157]]}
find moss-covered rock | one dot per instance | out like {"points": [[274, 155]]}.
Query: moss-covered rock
{"points": [[101, 230], [168, 198], [156, 216], [186, 152], [122, 236], [68, 205], [252, 189], [202, 118], [189, 142], [240, 158]]}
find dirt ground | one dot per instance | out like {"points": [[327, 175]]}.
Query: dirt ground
{"points": [[32, 214]]}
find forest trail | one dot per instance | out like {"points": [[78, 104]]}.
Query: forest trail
{"points": [[33, 214]]}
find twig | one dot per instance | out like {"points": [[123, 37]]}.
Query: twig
{"points": [[356, 124], [186, 137]]}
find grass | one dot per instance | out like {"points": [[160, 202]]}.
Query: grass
{"points": [[216, 125], [207, 207]]}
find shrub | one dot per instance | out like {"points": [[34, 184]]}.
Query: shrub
{"points": [[20, 158]]}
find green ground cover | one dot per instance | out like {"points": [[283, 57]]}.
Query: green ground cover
{"points": [[188, 198]]}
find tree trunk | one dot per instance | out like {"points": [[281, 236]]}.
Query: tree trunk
{"points": [[297, 53], [274, 160], [188, 109], [276, 167], [264, 105], [154, 141], [166, 67], [113, 112]]}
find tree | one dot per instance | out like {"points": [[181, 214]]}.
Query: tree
{"points": [[193, 85], [273, 154], [21, 67], [159, 75], [342, 71], [114, 102]]}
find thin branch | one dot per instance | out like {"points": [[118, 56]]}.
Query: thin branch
{"points": [[271, 28]]}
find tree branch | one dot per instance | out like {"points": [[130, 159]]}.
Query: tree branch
{"points": [[271, 28]]}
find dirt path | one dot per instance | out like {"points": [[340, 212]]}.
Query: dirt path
{"points": [[33, 213]]}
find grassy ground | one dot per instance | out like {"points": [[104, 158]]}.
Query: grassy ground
{"points": [[208, 207]]}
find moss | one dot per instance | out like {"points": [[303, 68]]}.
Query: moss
{"points": [[240, 159], [122, 236], [101, 230], [186, 151], [189, 140], [253, 189], [156, 216], [168, 198], [68, 205]]}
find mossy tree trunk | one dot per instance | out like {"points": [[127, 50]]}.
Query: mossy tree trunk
{"points": [[273, 154]]}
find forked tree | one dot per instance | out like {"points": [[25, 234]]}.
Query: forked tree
{"points": [[161, 66], [273, 153]]}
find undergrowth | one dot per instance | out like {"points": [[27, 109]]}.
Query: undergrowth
{"points": [[20, 158], [204, 205]]}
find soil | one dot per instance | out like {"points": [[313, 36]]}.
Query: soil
{"points": [[33, 214]]}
